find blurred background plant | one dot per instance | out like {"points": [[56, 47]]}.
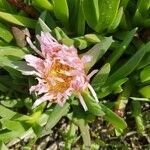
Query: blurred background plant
{"points": [[116, 33]]}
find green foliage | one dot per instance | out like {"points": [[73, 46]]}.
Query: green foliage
{"points": [[5, 34], [114, 34], [45, 4], [18, 20], [102, 16], [57, 113], [61, 10]]}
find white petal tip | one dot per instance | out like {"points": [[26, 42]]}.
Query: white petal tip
{"points": [[36, 103]]}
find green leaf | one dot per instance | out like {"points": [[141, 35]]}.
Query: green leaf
{"points": [[41, 26], [91, 12], [15, 129], [80, 43], [107, 13], [45, 4], [145, 74], [130, 65], [12, 125], [101, 76], [80, 25], [113, 118], [6, 113], [17, 65], [93, 38], [59, 34], [91, 104], [106, 90], [124, 3], [6, 136], [3, 43], [116, 20], [84, 129], [97, 51], [5, 34], [76, 17], [45, 23], [18, 20], [143, 7], [61, 10], [144, 62], [117, 53], [57, 113], [3, 146], [12, 51], [145, 91], [81, 119]]}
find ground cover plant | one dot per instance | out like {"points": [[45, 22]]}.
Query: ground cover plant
{"points": [[75, 74]]}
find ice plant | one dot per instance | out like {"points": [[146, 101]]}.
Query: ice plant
{"points": [[60, 71]]}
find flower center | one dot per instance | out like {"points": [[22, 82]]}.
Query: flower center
{"points": [[57, 79]]}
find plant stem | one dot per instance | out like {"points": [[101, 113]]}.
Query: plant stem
{"points": [[122, 99], [136, 112]]}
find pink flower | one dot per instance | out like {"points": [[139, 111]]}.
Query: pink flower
{"points": [[60, 72]]}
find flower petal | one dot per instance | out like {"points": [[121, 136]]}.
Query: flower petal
{"points": [[82, 102], [41, 100], [33, 47], [35, 62], [93, 93]]}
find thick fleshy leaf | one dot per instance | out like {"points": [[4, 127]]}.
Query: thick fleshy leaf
{"points": [[145, 74], [92, 105], [57, 113], [6, 113], [116, 20], [13, 52], [145, 91], [102, 14], [113, 118], [130, 65], [101, 76], [97, 51], [18, 20], [80, 26], [91, 12], [12, 125], [107, 13], [93, 38], [5, 33], [45, 23], [61, 10], [15, 127], [43, 4], [17, 65], [3, 146], [144, 62], [117, 53], [85, 132], [115, 88]]}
